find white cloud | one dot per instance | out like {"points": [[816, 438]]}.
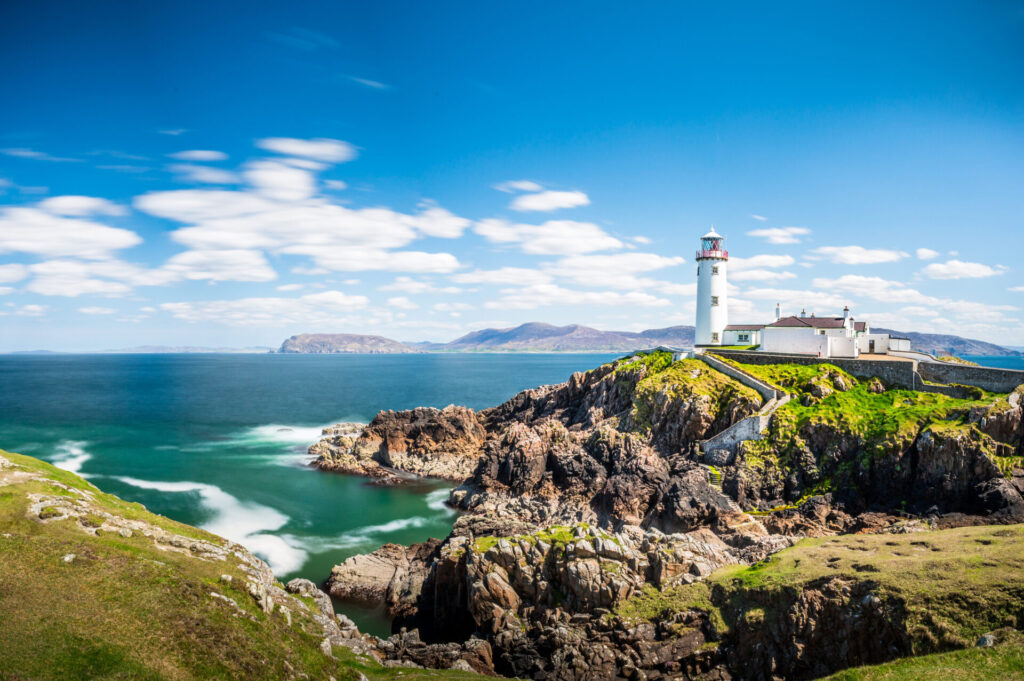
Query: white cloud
{"points": [[417, 287], [73, 278], [452, 307], [97, 310], [759, 262], [858, 255], [641, 240], [555, 237], [279, 181], [29, 229], [780, 235], [4, 290], [80, 206], [376, 85], [220, 265], [761, 275], [402, 303], [918, 311], [291, 287], [518, 186], [189, 172], [541, 295], [927, 254], [549, 200], [827, 303], [336, 184], [325, 308], [174, 131], [335, 237], [611, 271], [759, 218], [520, 276], [957, 269], [37, 155], [12, 272], [31, 310], [199, 155], [1016, 289], [319, 149]]}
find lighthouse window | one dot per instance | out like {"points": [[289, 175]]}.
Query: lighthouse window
{"points": [[714, 337], [714, 300], [744, 337], [714, 269]]}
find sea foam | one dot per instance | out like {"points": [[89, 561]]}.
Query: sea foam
{"points": [[244, 522], [71, 456]]}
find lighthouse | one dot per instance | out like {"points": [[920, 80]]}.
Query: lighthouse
{"points": [[712, 296]]}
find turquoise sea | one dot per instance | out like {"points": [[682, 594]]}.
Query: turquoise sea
{"points": [[220, 441]]}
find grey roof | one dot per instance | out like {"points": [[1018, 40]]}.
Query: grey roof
{"points": [[812, 322], [744, 327]]}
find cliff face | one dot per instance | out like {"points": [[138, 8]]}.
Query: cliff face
{"points": [[591, 496]]}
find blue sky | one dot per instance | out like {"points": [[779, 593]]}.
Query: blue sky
{"points": [[189, 174]]}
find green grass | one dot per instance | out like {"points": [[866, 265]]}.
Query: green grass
{"points": [[1001, 663], [955, 584], [884, 423], [664, 381], [124, 609]]}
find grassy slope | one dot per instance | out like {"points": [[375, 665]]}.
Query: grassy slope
{"points": [[957, 585], [666, 380], [124, 609], [887, 421]]}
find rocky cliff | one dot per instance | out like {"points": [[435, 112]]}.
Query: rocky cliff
{"points": [[584, 497]]}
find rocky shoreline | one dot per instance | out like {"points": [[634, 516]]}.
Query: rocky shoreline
{"points": [[588, 495]]}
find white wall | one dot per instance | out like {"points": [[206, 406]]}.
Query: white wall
{"points": [[733, 338], [801, 340], [842, 347], [881, 342], [711, 318]]}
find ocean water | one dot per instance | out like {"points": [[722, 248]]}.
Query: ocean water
{"points": [[220, 441], [998, 362]]}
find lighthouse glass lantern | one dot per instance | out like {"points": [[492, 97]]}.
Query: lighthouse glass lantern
{"points": [[712, 290]]}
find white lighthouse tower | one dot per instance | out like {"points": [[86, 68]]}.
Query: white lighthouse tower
{"points": [[712, 296]]}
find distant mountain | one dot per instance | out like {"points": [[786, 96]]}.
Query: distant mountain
{"points": [[941, 344], [538, 337], [343, 343]]}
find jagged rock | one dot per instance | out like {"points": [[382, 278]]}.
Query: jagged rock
{"points": [[391, 576]]}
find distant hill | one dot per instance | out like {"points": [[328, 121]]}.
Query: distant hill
{"points": [[538, 337], [941, 344], [343, 343]]}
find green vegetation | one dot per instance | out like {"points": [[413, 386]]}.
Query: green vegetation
{"points": [[1004, 662], [664, 381], [886, 422], [121, 608], [955, 585], [957, 360], [556, 536]]}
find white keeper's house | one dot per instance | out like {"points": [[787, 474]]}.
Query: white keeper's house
{"points": [[806, 334]]}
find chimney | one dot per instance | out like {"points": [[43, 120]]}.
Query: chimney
{"points": [[778, 311], [846, 312], [803, 312], [812, 315]]}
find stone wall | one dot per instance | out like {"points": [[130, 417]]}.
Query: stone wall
{"points": [[899, 374], [996, 380], [766, 391]]}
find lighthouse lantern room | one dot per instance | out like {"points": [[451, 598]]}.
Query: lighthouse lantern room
{"points": [[712, 293]]}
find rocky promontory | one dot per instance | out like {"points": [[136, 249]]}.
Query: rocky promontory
{"points": [[591, 501]]}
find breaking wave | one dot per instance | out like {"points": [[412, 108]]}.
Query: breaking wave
{"points": [[244, 522], [71, 456]]}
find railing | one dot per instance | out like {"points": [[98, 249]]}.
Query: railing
{"points": [[713, 254]]}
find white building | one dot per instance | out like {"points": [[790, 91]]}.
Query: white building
{"points": [[801, 335], [712, 293]]}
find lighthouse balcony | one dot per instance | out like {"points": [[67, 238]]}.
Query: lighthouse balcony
{"points": [[720, 254]]}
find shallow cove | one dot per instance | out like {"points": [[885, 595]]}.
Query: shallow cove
{"points": [[220, 440]]}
